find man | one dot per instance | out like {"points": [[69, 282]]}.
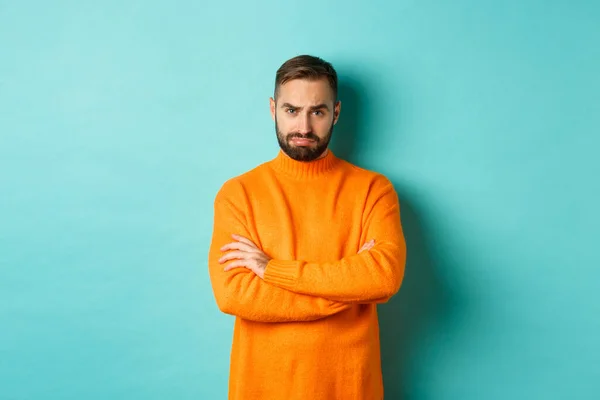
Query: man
{"points": [[303, 249]]}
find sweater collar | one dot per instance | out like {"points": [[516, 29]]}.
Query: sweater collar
{"points": [[304, 169]]}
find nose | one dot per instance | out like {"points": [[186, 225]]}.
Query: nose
{"points": [[304, 125]]}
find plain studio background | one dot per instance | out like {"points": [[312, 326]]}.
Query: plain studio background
{"points": [[119, 122]]}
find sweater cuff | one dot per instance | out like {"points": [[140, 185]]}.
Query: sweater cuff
{"points": [[282, 273]]}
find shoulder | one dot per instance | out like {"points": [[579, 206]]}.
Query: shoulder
{"points": [[235, 189], [375, 181]]}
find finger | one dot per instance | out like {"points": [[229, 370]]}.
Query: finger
{"points": [[235, 264], [238, 246], [368, 245], [233, 255], [243, 240]]}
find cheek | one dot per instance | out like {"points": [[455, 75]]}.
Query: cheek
{"points": [[323, 125], [287, 120], [283, 124]]}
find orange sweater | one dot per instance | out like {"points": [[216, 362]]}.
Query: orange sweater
{"points": [[309, 330]]}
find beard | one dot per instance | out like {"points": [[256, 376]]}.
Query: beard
{"points": [[303, 153]]}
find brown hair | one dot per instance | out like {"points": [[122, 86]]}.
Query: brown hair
{"points": [[306, 67]]}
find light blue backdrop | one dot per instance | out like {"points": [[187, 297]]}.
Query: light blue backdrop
{"points": [[119, 121]]}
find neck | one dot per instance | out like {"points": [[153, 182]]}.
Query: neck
{"points": [[304, 169]]}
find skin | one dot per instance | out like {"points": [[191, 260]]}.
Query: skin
{"points": [[304, 109]]}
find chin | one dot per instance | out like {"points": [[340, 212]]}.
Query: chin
{"points": [[304, 155]]}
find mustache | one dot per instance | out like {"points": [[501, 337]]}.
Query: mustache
{"points": [[310, 136]]}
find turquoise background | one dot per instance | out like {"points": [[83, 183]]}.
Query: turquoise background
{"points": [[119, 121]]}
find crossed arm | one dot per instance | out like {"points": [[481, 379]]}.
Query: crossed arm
{"points": [[248, 283]]}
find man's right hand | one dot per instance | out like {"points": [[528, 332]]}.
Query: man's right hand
{"points": [[367, 246]]}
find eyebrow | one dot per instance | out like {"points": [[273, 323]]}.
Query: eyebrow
{"points": [[313, 108]]}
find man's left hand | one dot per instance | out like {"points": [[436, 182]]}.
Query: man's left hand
{"points": [[246, 255]]}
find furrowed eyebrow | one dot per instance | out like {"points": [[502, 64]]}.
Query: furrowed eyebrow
{"points": [[320, 107], [313, 108]]}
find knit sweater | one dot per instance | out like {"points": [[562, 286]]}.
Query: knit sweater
{"points": [[309, 329]]}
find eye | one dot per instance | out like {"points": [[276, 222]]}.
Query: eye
{"points": [[318, 112], [290, 110]]}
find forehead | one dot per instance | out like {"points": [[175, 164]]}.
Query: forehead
{"points": [[305, 92]]}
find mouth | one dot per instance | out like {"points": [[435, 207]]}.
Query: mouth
{"points": [[302, 141]]}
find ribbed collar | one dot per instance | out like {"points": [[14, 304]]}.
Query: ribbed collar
{"points": [[304, 169]]}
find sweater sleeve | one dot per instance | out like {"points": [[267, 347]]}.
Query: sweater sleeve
{"points": [[372, 276], [242, 293]]}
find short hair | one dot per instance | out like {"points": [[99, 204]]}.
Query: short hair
{"points": [[306, 67]]}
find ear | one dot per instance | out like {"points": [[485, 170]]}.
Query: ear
{"points": [[272, 106], [336, 111]]}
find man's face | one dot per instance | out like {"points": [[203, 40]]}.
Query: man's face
{"points": [[304, 116]]}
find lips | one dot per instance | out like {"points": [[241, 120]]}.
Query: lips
{"points": [[302, 141]]}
